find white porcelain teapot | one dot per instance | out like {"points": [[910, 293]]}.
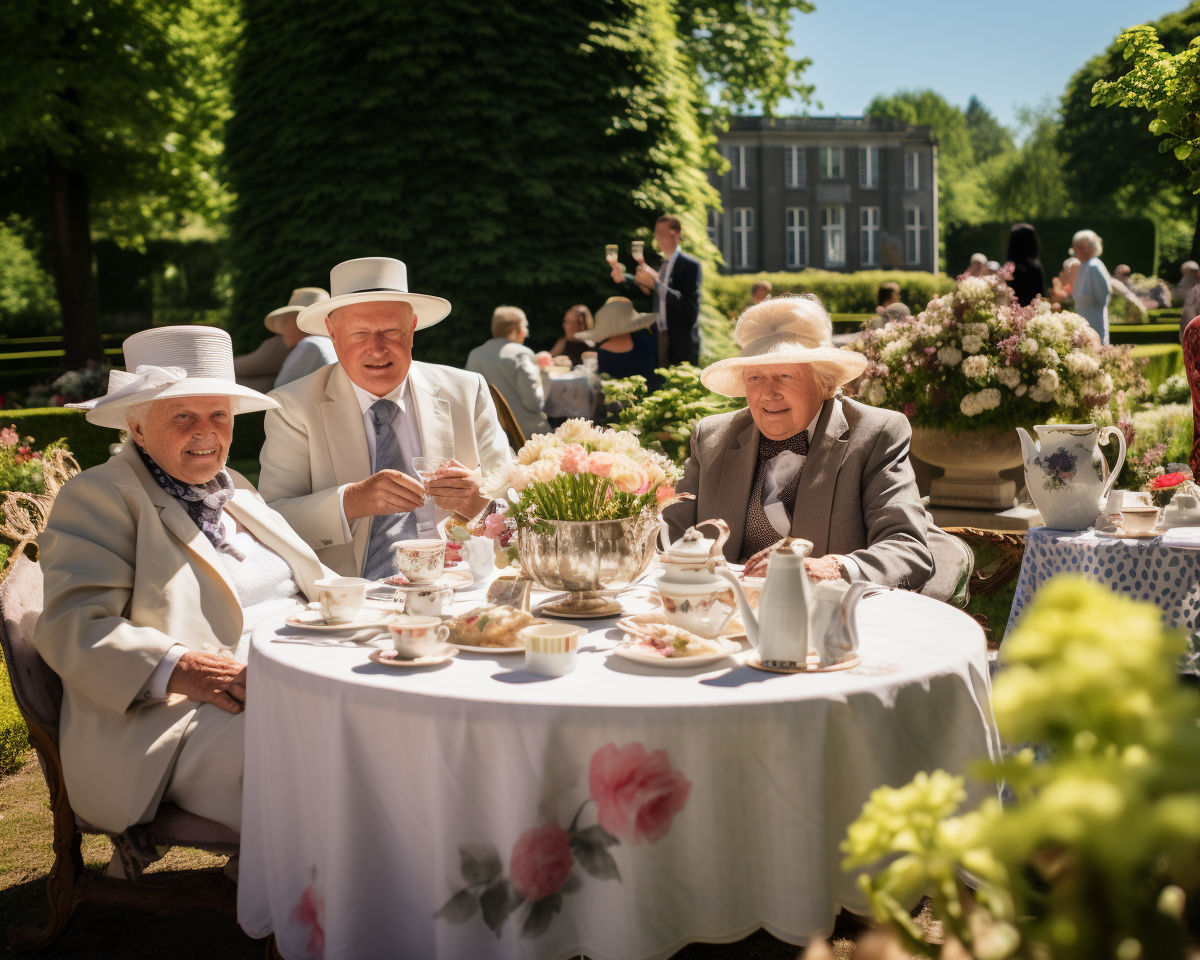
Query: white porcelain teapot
{"points": [[798, 620], [693, 596], [1066, 474]]}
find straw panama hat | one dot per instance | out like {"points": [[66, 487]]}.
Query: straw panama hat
{"points": [[301, 297], [617, 316], [168, 362], [370, 280], [781, 331]]}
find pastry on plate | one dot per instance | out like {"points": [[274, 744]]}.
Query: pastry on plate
{"points": [[669, 641], [490, 626]]}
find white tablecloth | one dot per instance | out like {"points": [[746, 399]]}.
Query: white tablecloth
{"points": [[571, 394], [375, 797], [1161, 570]]}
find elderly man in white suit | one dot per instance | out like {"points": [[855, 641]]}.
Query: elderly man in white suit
{"points": [[338, 463], [157, 566]]}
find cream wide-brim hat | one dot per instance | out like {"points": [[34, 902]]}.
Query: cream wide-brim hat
{"points": [[301, 297], [169, 362], [371, 280], [616, 317], [783, 330]]}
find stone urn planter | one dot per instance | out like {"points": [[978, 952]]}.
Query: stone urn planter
{"points": [[972, 460]]}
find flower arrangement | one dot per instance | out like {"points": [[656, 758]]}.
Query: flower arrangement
{"points": [[583, 472], [974, 359], [1163, 487], [1094, 858]]}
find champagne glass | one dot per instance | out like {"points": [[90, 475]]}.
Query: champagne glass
{"points": [[636, 248], [610, 252], [427, 468]]}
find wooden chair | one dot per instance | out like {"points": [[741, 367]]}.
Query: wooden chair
{"points": [[508, 423], [38, 693]]}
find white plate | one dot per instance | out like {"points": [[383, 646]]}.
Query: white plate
{"points": [[312, 620], [637, 624], [465, 648], [630, 651], [394, 660]]}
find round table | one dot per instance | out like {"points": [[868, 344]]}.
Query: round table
{"points": [[1163, 570], [476, 810], [571, 393]]}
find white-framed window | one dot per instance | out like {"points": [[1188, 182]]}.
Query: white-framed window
{"points": [[793, 167], [869, 235], [868, 167], [714, 227], [829, 160], [833, 235], [912, 170], [743, 237], [914, 223], [737, 168], [795, 227]]}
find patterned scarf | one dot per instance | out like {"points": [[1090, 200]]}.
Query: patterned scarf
{"points": [[203, 502]]}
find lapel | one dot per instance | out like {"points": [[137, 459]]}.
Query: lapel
{"points": [[814, 496], [273, 531], [345, 434], [736, 481], [432, 412], [177, 521]]}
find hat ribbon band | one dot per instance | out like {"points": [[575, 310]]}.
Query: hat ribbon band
{"points": [[147, 377]]}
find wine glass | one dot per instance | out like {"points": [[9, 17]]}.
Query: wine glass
{"points": [[610, 252], [427, 467]]}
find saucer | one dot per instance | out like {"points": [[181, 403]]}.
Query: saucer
{"points": [[755, 661], [632, 651], [455, 579], [1126, 535], [390, 658], [464, 648], [635, 624], [312, 620]]}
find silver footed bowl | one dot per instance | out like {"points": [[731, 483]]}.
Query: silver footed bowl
{"points": [[586, 557]]}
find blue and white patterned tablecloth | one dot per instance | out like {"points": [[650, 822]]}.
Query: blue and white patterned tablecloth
{"points": [[1164, 570]]}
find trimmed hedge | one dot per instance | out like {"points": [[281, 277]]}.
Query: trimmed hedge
{"points": [[1130, 240], [87, 442], [1163, 360], [840, 292]]}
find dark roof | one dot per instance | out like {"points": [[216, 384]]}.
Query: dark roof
{"points": [[828, 125]]}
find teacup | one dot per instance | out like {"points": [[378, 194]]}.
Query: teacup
{"points": [[1138, 520], [416, 637], [1118, 500], [551, 649], [427, 601], [341, 598], [701, 609], [421, 561]]}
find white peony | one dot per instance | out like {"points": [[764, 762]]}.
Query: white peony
{"points": [[1048, 380], [1020, 390], [1041, 395], [972, 343], [1080, 364], [1029, 346], [975, 288], [975, 367], [969, 405], [1064, 397], [1048, 357], [896, 349], [989, 399], [949, 356], [1009, 377], [975, 329]]}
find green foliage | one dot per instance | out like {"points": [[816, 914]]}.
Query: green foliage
{"points": [[1156, 436], [27, 304], [87, 443], [663, 421], [1174, 389], [1126, 240], [1163, 360], [495, 166], [840, 292], [1094, 858], [1027, 183], [989, 137], [14, 735]]}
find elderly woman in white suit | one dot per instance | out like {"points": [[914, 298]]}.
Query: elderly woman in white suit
{"points": [[1093, 286], [157, 566]]}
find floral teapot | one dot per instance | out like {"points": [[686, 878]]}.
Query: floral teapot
{"points": [[801, 625], [693, 596], [1066, 474]]}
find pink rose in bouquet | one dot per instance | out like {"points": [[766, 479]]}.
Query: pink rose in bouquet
{"points": [[541, 862], [494, 525], [664, 495], [628, 477], [637, 794], [574, 459], [601, 463]]}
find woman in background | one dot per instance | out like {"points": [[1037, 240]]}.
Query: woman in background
{"points": [[625, 345], [1029, 280], [1093, 286], [578, 319]]}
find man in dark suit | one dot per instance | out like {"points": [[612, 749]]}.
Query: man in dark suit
{"points": [[674, 290]]}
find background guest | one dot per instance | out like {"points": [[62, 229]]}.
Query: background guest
{"points": [[887, 294], [978, 264], [1093, 286], [760, 291], [578, 319], [1123, 272], [625, 347], [259, 369], [1028, 280], [507, 363], [308, 354], [1063, 285], [1191, 308], [991, 268], [1191, 273]]}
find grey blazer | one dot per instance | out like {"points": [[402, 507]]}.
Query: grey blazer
{"points": [[857, 496]]}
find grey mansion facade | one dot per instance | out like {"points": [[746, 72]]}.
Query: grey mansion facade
{"points": [[830, 194]]}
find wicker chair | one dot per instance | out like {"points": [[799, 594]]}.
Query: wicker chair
{"points": [[508, 423], [38, 693]]}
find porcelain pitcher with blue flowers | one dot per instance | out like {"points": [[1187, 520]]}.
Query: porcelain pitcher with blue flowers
{"points": [[1066, 473]]}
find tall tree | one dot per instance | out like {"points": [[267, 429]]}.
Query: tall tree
{"points": [[1027, 183], [989, 137], [494, 148], [1113, 162], [112, 110]]}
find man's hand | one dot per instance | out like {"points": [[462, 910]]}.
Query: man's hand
{"points": [[210, 679], [646, 277], [618, 272], [817, 568], [455, 488], [388, 491]]}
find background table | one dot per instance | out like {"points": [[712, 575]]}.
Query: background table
{"points": [[370, 791], [1162, 570], [572, 393]]}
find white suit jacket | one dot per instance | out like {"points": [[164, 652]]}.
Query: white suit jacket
{"points": [[128, 574], [513, 369], [316, 442]]}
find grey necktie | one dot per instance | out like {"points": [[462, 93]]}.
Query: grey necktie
{"points": [[380, 561]]}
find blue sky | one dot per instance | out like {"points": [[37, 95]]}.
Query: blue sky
{"points": [[863, 47]]}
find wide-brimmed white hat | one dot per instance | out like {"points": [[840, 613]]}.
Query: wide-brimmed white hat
{"points": [[301, 297], [617, 316], [168, 362], [780, 331], [368, 280]]}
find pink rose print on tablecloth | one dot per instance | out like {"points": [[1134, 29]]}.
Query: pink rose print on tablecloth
{"points": [[541, 862], [637, 796], [309, 914]]}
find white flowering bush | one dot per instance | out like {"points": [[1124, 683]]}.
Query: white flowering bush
{"points": [[975, 358]]}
